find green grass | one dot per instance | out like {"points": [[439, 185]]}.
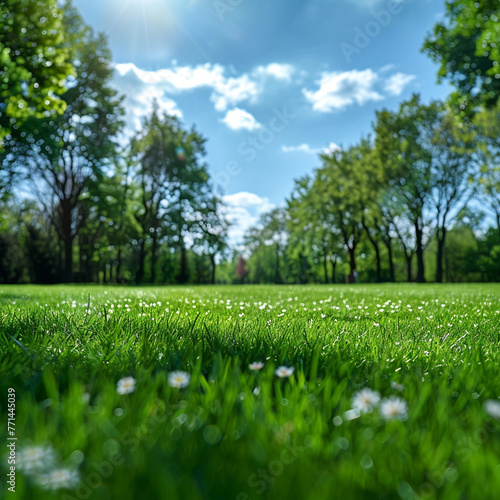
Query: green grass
{"points": [[237, 434]]}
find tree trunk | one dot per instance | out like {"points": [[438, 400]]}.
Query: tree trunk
{"points": [[352, 261], [183, 272], [392, 274], [118, 270], [277, 275], [375, 246], [154, 251], [212, 261], [334, 268], [441, 236], [409, 258], [140, 272], [420, 254], [67, 239], [325, 267]]}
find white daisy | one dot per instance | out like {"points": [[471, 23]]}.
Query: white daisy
{"points": [[256, 366], [365, 400], [350, 414], [35, 458], [397, 387], [492, 408], [394, 407], [59, 478], [126, 385], [283, 371], [178, 379]]}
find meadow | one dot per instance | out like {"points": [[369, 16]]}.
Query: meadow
{"points": [[252, 392]]}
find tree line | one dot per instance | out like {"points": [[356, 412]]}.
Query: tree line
{"points": [[418, 199], [79, 201]]}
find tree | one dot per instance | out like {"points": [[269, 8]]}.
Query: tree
{"points": [[62, 155], [467, 49], [312, 237], [271, 234], [174, 186], [336, 187], [35, 63], [402, 141], [452, 171], [487, 129], [211, 238]]}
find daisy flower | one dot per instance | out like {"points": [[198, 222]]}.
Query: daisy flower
{"points": [[397, 387], [492, 408], [393, 408], [365, 400], [59, 478], [178, 379], [35, 458], [283, 371], [351, 414], [256, 366], [126, 385]]}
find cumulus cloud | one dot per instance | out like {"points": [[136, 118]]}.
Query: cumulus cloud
{"points": [[337, 90], [396, 83], [243, 210], [278, 71], [139, 98], [239, 119], [141, 85]]}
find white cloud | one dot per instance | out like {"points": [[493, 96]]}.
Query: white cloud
{"points": [[139, 99], [306, 148], [232, 91], [226, 90], [396, 83], [239, 119], [303, 148], [331, 148], [338, 90], [243, 210], [278, 71]]}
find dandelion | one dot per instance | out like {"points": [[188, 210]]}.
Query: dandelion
{"points": [[393, 408], [35, 458], [365, 400], [492, 408], [59, 478], [284, 371], [256, 366], [397, 387], [126, 385], [178, 379]]}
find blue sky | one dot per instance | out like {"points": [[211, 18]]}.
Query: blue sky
{"points": [[270, 84]]}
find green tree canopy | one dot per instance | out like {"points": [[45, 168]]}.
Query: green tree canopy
{"points": [[35, 62], [467, 47]]}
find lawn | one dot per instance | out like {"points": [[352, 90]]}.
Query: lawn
{"points": [[425, 424]]}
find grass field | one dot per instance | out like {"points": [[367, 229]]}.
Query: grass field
{"points": [[225, 431]]}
